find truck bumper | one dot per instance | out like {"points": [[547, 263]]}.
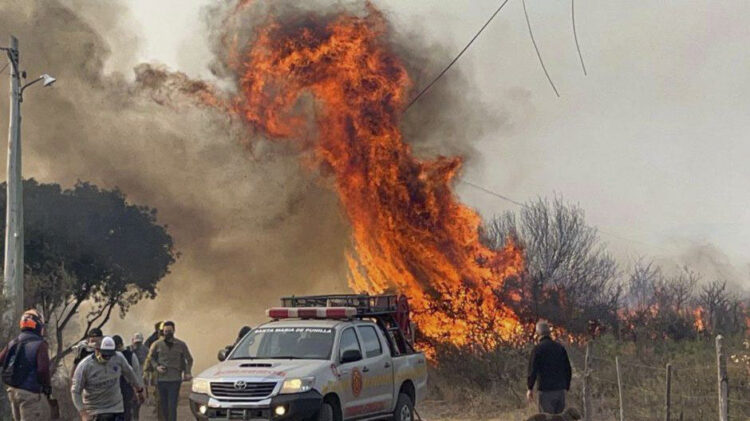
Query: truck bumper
{"points": [[297, 407]]}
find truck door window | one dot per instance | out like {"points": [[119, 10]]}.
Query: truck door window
{"points": [[349, 341], [370, 341]]}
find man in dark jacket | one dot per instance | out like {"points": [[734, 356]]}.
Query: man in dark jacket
{"points": [[32, 375], [549, 364]]}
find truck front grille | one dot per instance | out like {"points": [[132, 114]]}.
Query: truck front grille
{"points": [[242, 389]]}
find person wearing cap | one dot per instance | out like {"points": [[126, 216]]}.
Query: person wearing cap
{"points": [[140, 352], [31, 377], [171, 359], [549, 367], [87, 347], [96, 384], [137, 348]]}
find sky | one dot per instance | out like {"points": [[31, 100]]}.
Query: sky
{"points": [[652, 143]]}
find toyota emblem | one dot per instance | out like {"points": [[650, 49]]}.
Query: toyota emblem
{"points": [[240, 385]]}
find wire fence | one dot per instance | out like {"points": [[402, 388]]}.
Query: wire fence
{"points": [[693, 392]]}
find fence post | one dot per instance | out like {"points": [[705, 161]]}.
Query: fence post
{"points": [[723, 381], [668, 400], [587, 415], [619, 388]]}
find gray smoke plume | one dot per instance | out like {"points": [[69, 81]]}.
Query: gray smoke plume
{"points": [[250, 223]]}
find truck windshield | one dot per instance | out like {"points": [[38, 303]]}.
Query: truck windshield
{"points": [[309, 343]]}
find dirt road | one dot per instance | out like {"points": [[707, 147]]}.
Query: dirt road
{"points": [[430, 411]]}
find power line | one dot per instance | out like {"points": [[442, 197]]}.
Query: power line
{"points": [[492, 193], [3, 69], [525, 206], [445, 70], [575, 34], [538, 54]]}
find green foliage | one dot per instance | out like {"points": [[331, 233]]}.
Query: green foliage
{"points": [[87, 244]]}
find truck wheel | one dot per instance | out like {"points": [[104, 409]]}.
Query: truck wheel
{"points": [[404, 408], [325, 413]]}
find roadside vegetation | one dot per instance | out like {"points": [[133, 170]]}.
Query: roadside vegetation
{"points": [[642, 313]]}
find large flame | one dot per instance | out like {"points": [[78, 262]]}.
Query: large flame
{"points": [[410, 232]]}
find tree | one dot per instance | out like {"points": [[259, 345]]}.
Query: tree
{"points": [[88, 245], [659, 306], [570, 277]]}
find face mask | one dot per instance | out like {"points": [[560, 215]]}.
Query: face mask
{"points": [[103, 358]]}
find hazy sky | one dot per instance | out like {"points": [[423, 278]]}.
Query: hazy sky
{"points": [[652, 143]]}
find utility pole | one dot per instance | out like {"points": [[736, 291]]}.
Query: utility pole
{"points": [[13, 270], [13, 285]]}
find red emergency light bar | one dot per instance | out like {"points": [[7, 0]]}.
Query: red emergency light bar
{"points": [[311, 312]]}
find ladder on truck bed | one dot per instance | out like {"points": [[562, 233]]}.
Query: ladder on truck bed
{"points": [[390, 313]]}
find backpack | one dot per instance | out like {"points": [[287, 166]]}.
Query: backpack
{"points": [[15, 367]]}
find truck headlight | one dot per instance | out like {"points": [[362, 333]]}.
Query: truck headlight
{"points": [[201, 386], [298, 385]]}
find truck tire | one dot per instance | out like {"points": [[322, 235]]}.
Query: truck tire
{"points": [[325, 413], [404, 408]]}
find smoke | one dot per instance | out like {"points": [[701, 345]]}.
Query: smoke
{"points": [[251, 223], [249, 228]]}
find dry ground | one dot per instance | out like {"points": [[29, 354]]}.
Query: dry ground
{"points": [[429, 410]]}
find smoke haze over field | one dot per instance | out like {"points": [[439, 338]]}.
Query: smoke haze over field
{"points": [[652, 144]]}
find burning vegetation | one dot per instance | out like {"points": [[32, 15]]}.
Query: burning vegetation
{"points": [[410, 232], [333, 86]]}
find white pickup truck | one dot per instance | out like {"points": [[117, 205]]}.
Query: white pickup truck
{"points": [[318, 363]]}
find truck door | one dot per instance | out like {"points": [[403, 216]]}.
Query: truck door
{"points": [[377, 371], [351, 379]]}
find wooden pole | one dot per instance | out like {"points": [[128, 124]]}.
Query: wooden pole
{"points": [[587, 413], [723, 381], [619, 388], [668, 399]]}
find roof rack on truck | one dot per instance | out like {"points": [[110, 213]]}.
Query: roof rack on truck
{"points": [[390, 312]]}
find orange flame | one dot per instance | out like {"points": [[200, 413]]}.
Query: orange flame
{"points": [[410, 232], [699, 314]]}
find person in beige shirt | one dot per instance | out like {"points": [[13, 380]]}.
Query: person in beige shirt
{"points": [[171, 359]]}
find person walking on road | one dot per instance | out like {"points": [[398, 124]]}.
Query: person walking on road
{"points": [[93, 339], [171, 359], [549, 366], [138, 348], [96, 384], [140, 352], [128, 394], [26, 373]]}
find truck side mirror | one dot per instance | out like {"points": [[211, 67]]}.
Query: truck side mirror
{"points": [[223, 353], [351, 356]]}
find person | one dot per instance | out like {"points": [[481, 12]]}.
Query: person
{"points": [[140, 352], [96, 384], [223, 353], [550, 366], [128, 394], [26, 369], [87, 347], [155, 335], [149, 375], [138, 348], [171, 359]]}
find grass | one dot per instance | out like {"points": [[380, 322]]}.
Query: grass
{"points": [[466, 385]]}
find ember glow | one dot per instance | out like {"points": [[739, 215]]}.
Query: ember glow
{"points": [[334, 83]]}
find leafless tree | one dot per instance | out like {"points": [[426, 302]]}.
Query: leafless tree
{"points": [[570, 277]]}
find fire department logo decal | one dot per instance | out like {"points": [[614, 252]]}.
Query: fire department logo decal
{"points": [[356, 382]]}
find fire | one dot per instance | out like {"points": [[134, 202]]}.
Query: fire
{"points": [[335, 83], [699, 314]]}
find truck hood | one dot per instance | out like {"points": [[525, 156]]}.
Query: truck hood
{"points": [[263, 370]]}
